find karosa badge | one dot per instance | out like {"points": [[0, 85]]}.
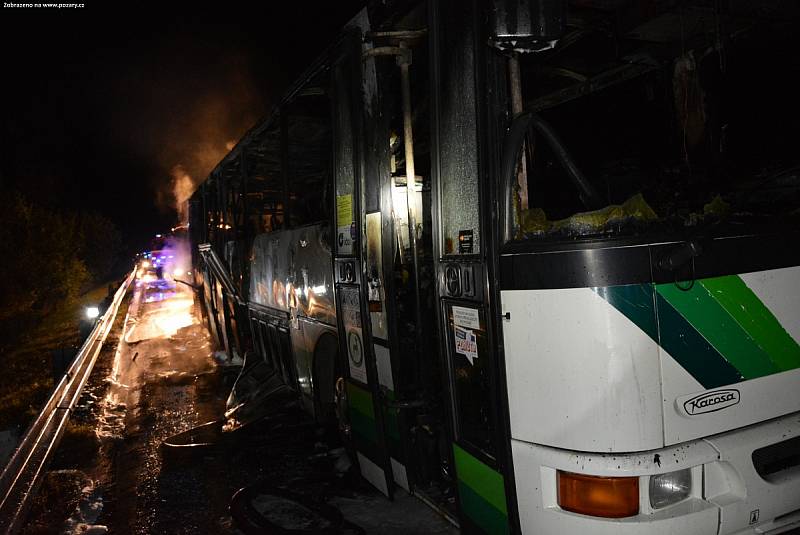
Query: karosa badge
{"points": [[711, 401]]}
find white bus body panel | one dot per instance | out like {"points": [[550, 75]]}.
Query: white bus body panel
{"points": [[761, 399], [743, 495], [580, 375]]}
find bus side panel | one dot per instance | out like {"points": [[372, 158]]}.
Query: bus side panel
{"points": [[313, 274], [581, 375], [291, 271], [269, 269], [730, 351]]}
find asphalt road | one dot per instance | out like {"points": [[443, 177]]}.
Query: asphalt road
{"points": [[162, 380]]}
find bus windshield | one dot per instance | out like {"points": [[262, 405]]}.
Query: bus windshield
{"points": [[669, 142]]}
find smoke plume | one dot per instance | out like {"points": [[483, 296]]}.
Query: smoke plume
{"points": [[182, 188], [206, 127]]}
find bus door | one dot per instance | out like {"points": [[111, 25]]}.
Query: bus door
{"points": [[467, 313], [361, 384], [399, 255]]}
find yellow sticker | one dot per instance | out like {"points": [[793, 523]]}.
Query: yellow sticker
{"points": [[344, 210]]}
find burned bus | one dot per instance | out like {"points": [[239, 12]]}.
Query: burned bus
{"points": [[538, 259]]}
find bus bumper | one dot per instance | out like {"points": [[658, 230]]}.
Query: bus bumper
{"points": [[731, 492]]}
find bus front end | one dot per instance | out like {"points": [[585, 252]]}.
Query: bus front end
{"points": [[649, 275]]}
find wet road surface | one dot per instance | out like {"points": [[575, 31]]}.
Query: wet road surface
{"points": [[162, 380]]}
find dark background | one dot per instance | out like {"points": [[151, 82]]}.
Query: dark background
{"points": [[101, 105]]}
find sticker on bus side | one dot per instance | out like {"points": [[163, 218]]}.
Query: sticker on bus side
{"points": [[465, 241], [466, 344], [345, 225], [351, 318], [466, 317]]}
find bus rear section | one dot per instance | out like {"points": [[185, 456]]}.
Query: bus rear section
{"points": [[650, 279]]}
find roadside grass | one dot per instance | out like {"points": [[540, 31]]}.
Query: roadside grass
{"points": [[27, 380], [60, 494], [79, 445]]}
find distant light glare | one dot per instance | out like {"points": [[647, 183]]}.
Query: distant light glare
{"points": [[158, 235], [145, 264], [177, 273], [92, 312]]}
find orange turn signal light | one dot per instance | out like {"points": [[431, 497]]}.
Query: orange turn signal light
{"points": [[609, 497]]}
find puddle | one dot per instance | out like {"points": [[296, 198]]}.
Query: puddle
{"points": [[111, 420]]}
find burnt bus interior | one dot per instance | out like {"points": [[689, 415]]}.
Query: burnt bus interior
{"points": [[681, 113], [280, 178]]}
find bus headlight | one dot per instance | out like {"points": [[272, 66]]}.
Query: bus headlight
{"points": [[670, 488]]}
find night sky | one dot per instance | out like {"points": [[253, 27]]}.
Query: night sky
{"points": [[101, 105]]}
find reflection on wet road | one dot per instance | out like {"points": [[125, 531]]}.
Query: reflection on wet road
{"points": [[161, 382]]}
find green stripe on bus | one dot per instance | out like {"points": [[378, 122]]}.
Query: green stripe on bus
{"points": [[755, 319], [636, 302], [699, 307], [480, 478], [363, 425], [360, 400], [677, 336], [481, 512], [392, 426], [691, 350], [391, 421], [390, 417]]}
